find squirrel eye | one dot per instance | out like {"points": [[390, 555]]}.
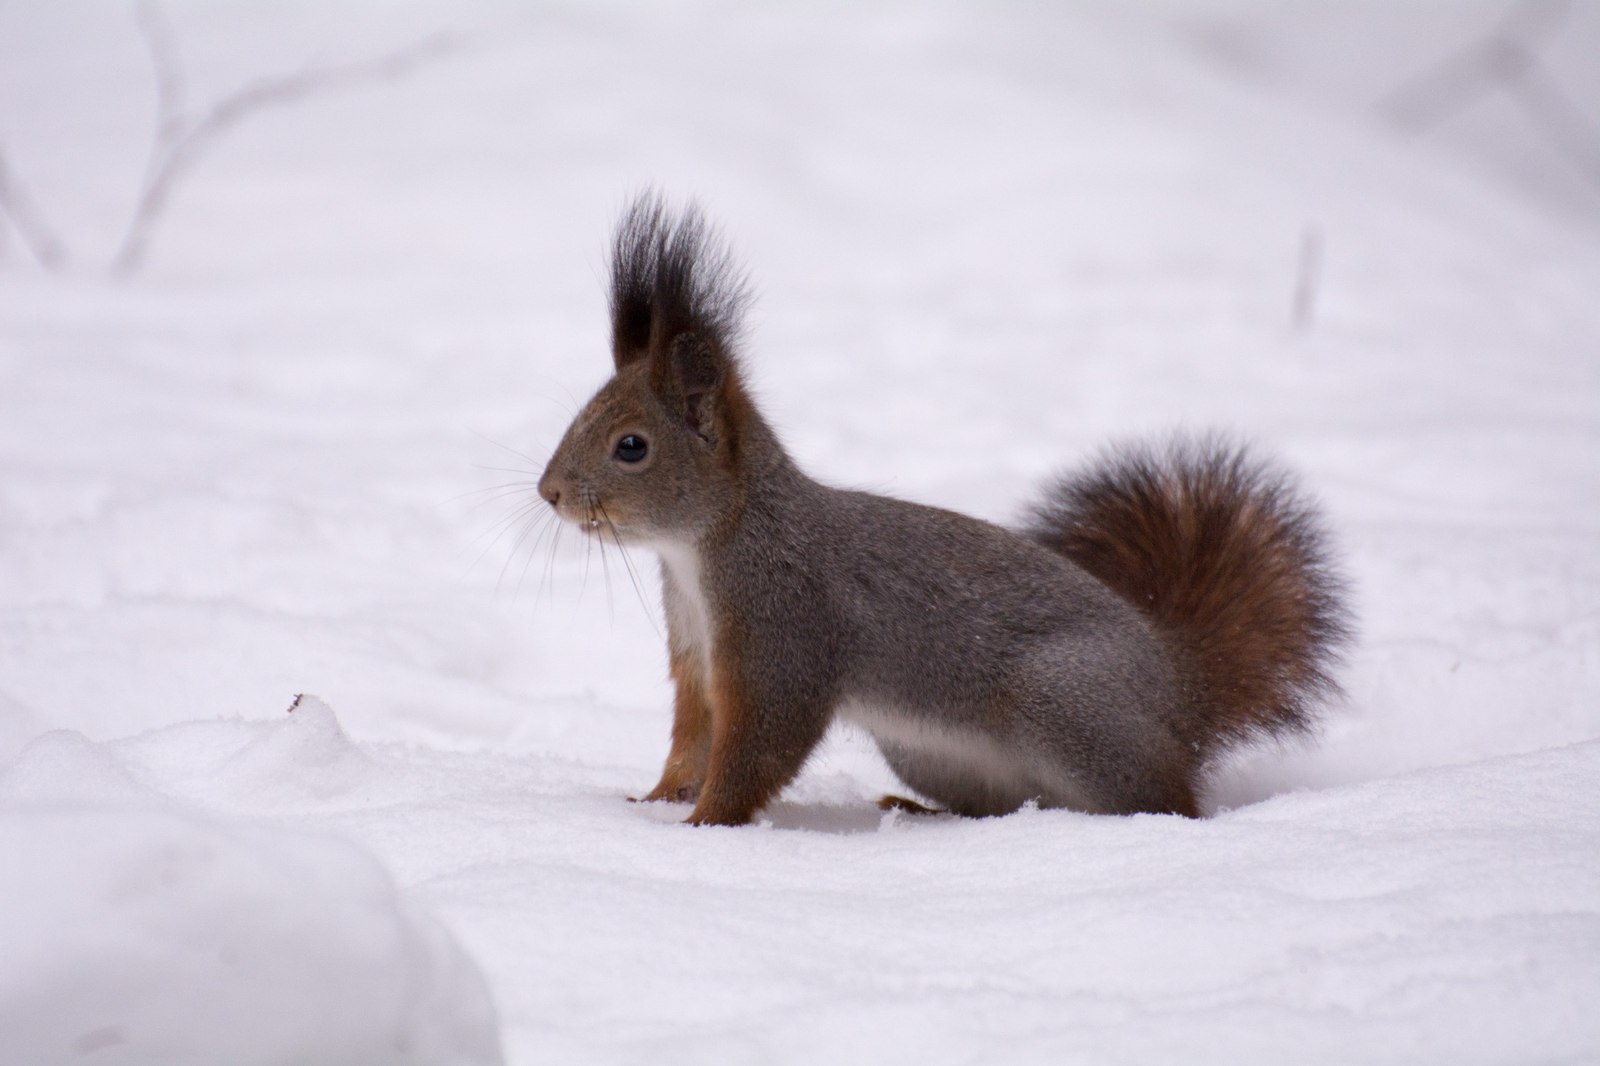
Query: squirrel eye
{"points": [[631, 449]]}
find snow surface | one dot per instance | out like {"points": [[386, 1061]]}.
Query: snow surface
{"points": [[988, 239]]}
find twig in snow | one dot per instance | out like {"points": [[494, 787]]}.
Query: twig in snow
{"points": [[182, 136], [40, 239], [168, 67], [1507, 59], [1307, 279], [1564, 125]]}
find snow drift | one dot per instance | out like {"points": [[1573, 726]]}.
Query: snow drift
{"points": [[136, 930]]}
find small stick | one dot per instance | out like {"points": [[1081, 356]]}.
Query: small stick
{"points": [[40, 239], [1307, 279], [182, 138]]}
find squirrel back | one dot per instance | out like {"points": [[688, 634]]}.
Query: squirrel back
{"points": [[1229, 562], [1157, 609]]}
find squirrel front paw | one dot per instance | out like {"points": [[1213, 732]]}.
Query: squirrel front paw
{"points": [[715, 814], [680, 783], [668, 792]]}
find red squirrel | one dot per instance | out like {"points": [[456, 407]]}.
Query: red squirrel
{"points": [[1156, 609]]}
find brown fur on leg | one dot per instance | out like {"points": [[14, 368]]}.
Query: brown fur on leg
{"points": [[734, 787], [685, 771], [751, 758]]}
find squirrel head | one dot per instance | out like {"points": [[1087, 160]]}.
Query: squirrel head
{"points": [[657, 453]]}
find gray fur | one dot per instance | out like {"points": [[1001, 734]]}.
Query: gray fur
{"points": [[991, 671], [947, 627]]}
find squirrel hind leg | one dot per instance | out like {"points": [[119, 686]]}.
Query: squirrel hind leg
{"points": [[956, 787], [891, 802]]}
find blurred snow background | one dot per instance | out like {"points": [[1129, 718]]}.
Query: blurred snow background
{"points": [[988, 238]]}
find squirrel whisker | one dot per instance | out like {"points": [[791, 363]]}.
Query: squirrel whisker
{"points": [[543, 524], [527, 514], [633, 576]]}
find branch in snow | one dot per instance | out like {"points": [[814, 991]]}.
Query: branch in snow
{"points": [[16, 205], [1507, 59], [1307, 279], [182, 137], [1553, 110]]}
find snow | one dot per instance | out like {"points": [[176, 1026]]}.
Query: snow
{"points": [[988, 239], [136, 930]]}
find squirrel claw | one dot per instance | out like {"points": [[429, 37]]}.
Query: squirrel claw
{"points": [[668, 794], [729, 818]]}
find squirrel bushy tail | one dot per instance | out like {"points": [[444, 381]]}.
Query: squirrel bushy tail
{"points": [[1228, 561]]}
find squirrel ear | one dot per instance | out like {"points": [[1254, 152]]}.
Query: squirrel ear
{"points": [[697, 373]]}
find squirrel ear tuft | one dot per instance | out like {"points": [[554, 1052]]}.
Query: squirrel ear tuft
{"points": [[630, 332], [697, 373], [671, 275]]}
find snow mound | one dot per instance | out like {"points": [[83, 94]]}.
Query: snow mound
{"points": [[307, 755], [66, 765], [140, 932]]}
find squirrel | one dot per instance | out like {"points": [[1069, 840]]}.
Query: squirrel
{"points": [[1169, 603]]}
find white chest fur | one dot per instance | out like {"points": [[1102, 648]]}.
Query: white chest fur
{"points": [[683, 596]]}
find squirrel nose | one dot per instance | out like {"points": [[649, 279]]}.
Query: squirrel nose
{"points": [[550, 490]]}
